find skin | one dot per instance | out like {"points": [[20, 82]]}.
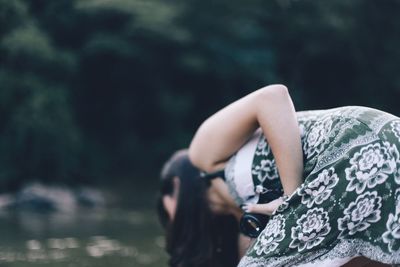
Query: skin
{"points": [[171, 201]]}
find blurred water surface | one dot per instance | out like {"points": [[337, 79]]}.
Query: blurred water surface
{"points": [[116, 236]]}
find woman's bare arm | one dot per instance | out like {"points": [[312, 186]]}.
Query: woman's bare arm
{"points": [[270, 108]]}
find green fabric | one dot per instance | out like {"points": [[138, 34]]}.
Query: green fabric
{"points": [[349, 202]]}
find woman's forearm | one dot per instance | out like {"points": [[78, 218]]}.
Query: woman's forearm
{"points": [[270, 108]]}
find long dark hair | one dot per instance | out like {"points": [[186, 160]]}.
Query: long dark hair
{"points": [[195, 237]]}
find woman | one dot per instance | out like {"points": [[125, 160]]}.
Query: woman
{"points": [[339, 170]]}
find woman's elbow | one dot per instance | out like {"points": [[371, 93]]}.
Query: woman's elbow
{"points": [[197, 161], [274, 91], [193, 156], [274, 95]]}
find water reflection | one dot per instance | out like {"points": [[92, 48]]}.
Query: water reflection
{"points": [[107, 237]]}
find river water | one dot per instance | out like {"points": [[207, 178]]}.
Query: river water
{"points": [[102, 237]]}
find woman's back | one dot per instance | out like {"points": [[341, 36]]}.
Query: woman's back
{"points": [[326, 136], [348, 203]]}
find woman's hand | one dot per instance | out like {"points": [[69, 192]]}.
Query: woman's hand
{"points": [[267, 208]]}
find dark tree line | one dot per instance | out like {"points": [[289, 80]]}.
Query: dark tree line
{"points": [[94, 90]]}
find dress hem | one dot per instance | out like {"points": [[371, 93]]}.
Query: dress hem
{"points": [[342, 253]]}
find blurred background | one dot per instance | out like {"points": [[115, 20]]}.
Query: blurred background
{"points": [[96, 94]]}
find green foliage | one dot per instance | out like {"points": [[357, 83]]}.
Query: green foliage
{"points": [[92, 89]]}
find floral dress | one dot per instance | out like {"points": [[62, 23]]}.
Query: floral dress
{"points": [[349, 202]]}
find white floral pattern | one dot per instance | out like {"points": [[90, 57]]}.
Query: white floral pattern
{"points": [[266, 170], [371, 166], [266, 167], [282, 207], [392, 235], [311, 229], [394, 153], [396, 128], [273, 233], [316, 137], [397, 200], [320, 188], [360, 214], [263, 148]]}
